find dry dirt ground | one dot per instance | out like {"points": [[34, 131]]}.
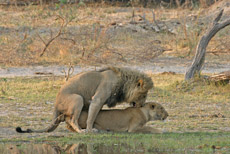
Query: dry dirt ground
{"points": [[105, 36]]}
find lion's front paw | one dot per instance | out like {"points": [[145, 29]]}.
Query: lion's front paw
{"points": [[94, 130]]}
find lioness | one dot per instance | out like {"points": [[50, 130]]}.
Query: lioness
{"points": [[132, 119], [91, 90]]}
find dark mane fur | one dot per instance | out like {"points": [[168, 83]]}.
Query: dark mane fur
{"points": [[128, 79], [117, 96]]}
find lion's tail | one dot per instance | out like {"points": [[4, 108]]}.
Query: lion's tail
{"points": [[58, 118]]}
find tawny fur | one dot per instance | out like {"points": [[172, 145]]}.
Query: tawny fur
{"points": [[132, 119], [89, 91]]}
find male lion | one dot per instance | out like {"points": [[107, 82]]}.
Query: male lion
{"points": [[91, 90], [132, 119]]}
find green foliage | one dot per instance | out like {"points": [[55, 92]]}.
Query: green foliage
{"points": [[3, 85], [30, 89], [131, 143], [63, 1], [81, 3], [173, 87]]}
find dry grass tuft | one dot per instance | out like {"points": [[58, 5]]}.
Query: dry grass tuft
{"points": [[100, 35]]}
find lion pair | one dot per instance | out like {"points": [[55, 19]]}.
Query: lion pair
{"points": [[79, 101]]}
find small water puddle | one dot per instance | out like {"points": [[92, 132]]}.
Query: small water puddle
{"points": [[76, 148]]}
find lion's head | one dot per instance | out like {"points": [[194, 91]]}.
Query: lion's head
{"points": [[135, 86], [156, 111], [137, 91], [132, 87]]}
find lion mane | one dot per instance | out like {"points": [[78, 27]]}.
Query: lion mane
{"points": [[128, 78]]}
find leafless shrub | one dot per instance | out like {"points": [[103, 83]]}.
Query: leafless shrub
{"points": [[52, 38], [69, 71]]}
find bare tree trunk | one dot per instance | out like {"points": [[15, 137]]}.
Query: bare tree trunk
{"points": [[199, 58]]}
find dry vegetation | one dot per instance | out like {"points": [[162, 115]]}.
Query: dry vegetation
{"points": [[94, 34]]}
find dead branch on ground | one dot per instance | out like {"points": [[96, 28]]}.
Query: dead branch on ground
{"points": [[223, 76], [199, 58]]}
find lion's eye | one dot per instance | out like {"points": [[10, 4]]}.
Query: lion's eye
{"points": [[139, 84], [153, 106]]}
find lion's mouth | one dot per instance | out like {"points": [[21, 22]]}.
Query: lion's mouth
{"points": [[164, 118], [134, 104]]}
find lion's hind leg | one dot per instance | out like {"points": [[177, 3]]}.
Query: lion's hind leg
{"points": [[68, 126], [75, 105]]}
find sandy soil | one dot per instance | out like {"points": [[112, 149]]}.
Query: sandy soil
{"points": [[159, 65]]}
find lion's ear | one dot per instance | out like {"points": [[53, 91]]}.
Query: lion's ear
{"points": [[140, 83]]}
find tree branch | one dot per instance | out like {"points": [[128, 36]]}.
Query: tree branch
{"points": [[199, 58], [52, 38]]}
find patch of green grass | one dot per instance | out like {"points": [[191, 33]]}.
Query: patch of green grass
{"points": [[192, 106], [173, 87], [27, 90], [148, 143]]}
